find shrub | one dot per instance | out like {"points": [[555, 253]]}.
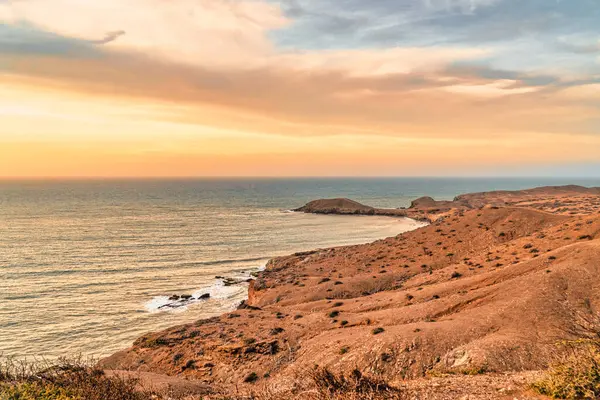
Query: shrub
{"points": [[277, 331], [377, 331], [66, 380], [153, 343], [251, 378], [352, 386], [575, 375], [177, 357]]}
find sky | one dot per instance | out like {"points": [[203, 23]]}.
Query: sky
{"points": [[185, 88]]}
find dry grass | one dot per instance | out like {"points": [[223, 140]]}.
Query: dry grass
{"points": [[352, 386], [322, 384], [574, 372], [64, 380], [77, 380]]}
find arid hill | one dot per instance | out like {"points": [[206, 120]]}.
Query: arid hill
{"points": [[488, 288], [346, 207], [423, 209], [570, 199]]}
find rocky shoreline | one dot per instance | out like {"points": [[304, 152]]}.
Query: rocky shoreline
{"points": [[487, 288]]}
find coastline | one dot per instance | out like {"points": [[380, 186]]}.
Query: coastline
{"points": [[178, 260], [434, 287]]}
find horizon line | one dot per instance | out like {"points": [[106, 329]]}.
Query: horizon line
{"points": [[291, 177]]}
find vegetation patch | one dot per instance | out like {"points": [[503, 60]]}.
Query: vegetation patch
{"points": [[575, 374], [65, 380]]}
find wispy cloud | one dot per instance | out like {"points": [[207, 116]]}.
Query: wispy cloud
{"points": [[24, 38], [110, 37]]}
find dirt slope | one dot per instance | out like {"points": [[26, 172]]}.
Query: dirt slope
{"points": [[481, 290]]}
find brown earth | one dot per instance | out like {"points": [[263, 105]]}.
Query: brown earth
{"points": [[486, 290]]}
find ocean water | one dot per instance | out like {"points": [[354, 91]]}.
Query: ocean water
{"points": [[86, 267]]}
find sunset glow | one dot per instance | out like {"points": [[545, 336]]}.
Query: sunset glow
{"points": [[298, 88]]}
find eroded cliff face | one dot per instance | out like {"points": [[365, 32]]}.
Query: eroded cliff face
{"points": [[485, 289]]}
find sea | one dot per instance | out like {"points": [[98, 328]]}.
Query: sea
{"points": [[88, 266]]}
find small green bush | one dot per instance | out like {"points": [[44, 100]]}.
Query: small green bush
{"points": [[575, 375], [251, 378], [377, 331], [35, 391], [455, 275]]}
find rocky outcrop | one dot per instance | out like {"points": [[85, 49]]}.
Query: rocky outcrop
{"points": [[336, 206], [351, 207], [428, 203]]}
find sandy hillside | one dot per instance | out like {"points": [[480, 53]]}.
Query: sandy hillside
{"points": [[487, 289]]}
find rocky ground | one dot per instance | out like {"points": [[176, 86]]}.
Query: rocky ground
{"points": [[462, 308]]}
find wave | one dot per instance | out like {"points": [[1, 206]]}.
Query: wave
{"points": [[219, 291]]}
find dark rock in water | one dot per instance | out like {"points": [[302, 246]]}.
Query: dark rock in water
{"points": [[174, 298], [171, 305], [219, 277], [204, 296], [230, 282], [245, 306], [186, 297]]}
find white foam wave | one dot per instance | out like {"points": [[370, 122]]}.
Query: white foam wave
{"points": [[160, 303], [218, 291]]}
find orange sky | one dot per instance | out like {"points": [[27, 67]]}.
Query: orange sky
{"points": [[89, 90]]}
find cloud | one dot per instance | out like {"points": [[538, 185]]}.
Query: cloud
{"points": [[284, 99], [219, 32], [580, 47], [359, 23], [24, 38], [110, 37], [216, 60]]}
